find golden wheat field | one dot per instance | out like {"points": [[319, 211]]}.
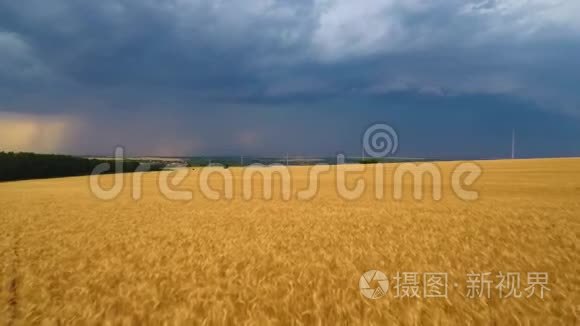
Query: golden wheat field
{"points": [[67, 257]]}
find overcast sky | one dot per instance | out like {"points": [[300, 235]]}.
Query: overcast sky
{"points": [[195, 77]]}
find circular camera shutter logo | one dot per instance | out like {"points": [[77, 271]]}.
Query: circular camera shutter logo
{"points": [[373, 284]]}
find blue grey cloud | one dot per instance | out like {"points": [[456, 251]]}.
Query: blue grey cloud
{"points": [[192, 57]]}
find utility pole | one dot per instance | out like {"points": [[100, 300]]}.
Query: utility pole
{"points": [[286, 159], [513, 144], [242, 160]]}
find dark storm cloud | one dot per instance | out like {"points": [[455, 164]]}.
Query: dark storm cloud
{"points": [[265, 46], [260, 59], [184, 44]]}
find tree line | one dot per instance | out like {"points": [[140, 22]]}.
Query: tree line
{"points": [[23, 166]]}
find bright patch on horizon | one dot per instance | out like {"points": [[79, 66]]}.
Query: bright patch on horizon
{"points": [[34, 133]]}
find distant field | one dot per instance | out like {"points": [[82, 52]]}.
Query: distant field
{"points": [[141, 158], [68, 257]]}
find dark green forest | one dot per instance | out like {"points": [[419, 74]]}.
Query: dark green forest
{"points": [[23, 166]]}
